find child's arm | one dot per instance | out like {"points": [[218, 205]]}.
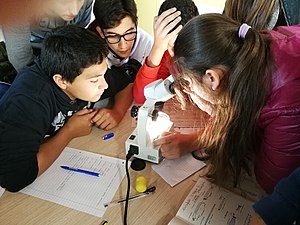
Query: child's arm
{"points": [[109, 118], [79, 124], [23, 125], [163, 39], [175, 145], [283, 205], [147, 74]]}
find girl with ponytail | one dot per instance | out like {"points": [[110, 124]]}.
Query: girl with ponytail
{"points": [[249, 82]]}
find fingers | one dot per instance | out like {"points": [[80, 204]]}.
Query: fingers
{"points": [[171, 25], [91, 114], [86, 114], [105, 119], [84, 111], [110, 126], [166, 138], [174, 35], [100, 118], [165, 14], [165, 23], [166, 133], [100, 114]]}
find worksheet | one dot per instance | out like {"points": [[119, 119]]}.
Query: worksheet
{"points": [[173, 171], [80, 191], [210, 204]]}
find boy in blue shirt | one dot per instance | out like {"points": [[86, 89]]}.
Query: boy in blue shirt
{"points": [[48, 104]]}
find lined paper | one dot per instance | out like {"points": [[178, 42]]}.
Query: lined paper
{"points": [[76, 190]]}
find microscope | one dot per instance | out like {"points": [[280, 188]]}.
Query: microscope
{"points": [[151, 122]]}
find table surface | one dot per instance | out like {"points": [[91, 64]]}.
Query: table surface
{"points": [[157, 209]]}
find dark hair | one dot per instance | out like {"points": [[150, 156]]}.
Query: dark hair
{"points": [[258, 14], [187, 8], [109, 13], [211, 41], [69, 50]]}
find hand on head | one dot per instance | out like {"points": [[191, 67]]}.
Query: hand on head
{"points": [[165, 30], [165, 34]]}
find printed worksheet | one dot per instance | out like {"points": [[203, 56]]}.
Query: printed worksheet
{"points": [[210, 204], [80, 191]]}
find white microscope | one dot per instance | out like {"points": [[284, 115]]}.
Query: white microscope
{"points": [[151, 123]]}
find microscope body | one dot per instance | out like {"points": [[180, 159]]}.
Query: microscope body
{"points": [[150, 122]]}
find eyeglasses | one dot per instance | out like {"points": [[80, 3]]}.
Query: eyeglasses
{"points": [[114, 39]]}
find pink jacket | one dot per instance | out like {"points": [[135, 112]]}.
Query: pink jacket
{"points": [[280, 117]]}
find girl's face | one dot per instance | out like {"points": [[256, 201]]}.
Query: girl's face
{"points": [[65, 9], [201, 94]]}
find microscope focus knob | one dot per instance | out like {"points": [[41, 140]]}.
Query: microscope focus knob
{"points": [[134, 111], [154, 115]]}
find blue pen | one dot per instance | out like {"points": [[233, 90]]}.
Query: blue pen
{"points": [[81, 171], [108, 136]]}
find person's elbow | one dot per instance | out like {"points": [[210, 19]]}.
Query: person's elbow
{"points": [[17, 179]]}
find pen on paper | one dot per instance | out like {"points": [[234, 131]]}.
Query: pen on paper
{"points": [[141, 195], [80, 171], [104, 223], [108, 136]]}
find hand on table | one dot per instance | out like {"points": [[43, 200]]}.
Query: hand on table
{"points": [[107, 119]]}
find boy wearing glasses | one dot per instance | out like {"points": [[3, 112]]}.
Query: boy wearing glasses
{"points": [[116, 22]]}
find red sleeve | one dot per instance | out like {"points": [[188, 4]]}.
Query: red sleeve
{"points": [[147, 74]]}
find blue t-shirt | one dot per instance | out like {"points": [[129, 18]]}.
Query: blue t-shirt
{"points": [[282, 207]]}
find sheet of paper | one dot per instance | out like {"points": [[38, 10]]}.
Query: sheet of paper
{"points": [[176, 170], [2, 190], [208, 203], [177, 221], [79, 191]]}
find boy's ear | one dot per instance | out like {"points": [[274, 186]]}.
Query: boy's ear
{"points": [[213, 77], [100, 32], [60, 81]]}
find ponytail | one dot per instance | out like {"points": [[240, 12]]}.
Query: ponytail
{"points": [[214, 41], [257, 13]]}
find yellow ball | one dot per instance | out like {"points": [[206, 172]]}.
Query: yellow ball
{"points": [[141, 184]]}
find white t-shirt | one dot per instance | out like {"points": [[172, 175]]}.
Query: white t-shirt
{"points": [[140, 51]]}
